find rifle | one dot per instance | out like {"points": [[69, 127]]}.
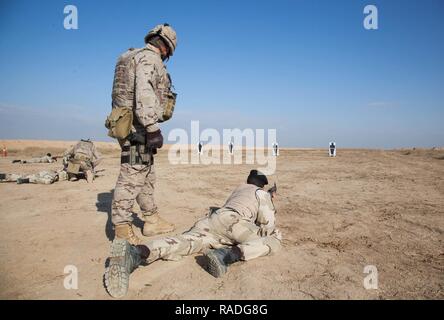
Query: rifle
{"points": [[56, 157], [273, 189]]}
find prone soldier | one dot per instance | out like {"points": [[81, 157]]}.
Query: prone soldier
{"points": [[243, 229], [42, 177], [48, 158]]}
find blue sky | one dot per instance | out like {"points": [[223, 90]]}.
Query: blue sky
{"points": [[309, 69]]}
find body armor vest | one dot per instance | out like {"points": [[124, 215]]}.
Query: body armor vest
{"points": [[123, 86], [243, 200]]}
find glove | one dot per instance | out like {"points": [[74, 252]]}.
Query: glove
{"points": [[154, 139]]}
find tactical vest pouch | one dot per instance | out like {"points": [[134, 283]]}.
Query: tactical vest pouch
{"points": [[119, 122], [169, 106], [136, 154], [73, 168]]}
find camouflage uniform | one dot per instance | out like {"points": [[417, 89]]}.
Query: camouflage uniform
{"points": [[44, 159], [247, 220], [85, 154], [142, 83], [43, 177]]}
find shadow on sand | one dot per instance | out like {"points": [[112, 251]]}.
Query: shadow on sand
{"points": [[104, 204]]}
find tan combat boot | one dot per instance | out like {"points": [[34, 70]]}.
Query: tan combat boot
{"points": [[89, 176], [125, 231], [154, 224]]}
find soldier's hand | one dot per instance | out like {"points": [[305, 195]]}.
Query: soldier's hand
{"points": [[277, 234], [154, 139]]}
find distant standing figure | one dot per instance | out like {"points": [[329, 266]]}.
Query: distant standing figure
{"points": [[231, 147], [199, 147], [332, 149], [275, 149], [80, 159], [45, 159]]}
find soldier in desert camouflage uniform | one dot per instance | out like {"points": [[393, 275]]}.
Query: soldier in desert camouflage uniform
{"points": [[243, 229], [82, 158], [43, 177], [45, 159], [141, 83]]}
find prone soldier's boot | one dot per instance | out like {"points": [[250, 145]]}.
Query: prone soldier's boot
{"points": [[125, 231], [154, 224], [218, 260], [89, 176], [123, 260], [15, 161], [22, 180], [2, 176]]}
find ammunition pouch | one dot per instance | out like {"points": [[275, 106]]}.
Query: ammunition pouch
{"points": [[119, 122], [73, 168], [169, 106], [137, 154]]}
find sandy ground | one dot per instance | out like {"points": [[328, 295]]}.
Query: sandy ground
{"points": [[337, 215]]}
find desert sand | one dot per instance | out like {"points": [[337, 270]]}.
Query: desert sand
{"points": [[337, 215]]}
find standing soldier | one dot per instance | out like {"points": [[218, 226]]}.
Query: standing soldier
{"points": [[143, 86]]}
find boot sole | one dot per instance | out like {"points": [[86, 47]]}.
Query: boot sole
{"points": [[116, 275], [213, 266]]}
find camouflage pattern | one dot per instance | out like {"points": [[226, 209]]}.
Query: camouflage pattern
{"points": [[142, 83], [135, 183], [84, 153], [256, 236], [42, 177]]}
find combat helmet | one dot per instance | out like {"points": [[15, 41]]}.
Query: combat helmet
{"points": [[167, 33]]}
